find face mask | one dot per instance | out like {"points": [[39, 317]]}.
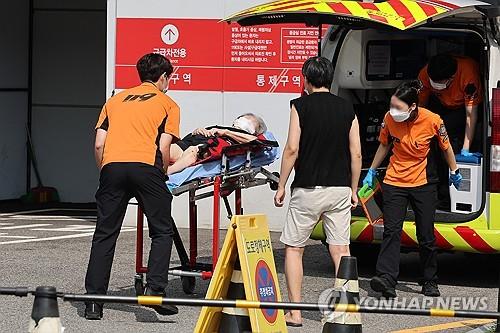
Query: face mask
{"points": [[244, 124], [399, 116], [438, 86]]}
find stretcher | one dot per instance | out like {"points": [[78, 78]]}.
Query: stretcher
{"points": [[217, 179]]}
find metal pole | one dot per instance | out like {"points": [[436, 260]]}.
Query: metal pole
{"points": [[155, 300], [16, 291], [246, 304], [215, 226], [237, 201], [139, 267], [193, 229]]}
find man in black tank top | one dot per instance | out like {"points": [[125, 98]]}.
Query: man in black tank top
{"points": [[323, 146]]}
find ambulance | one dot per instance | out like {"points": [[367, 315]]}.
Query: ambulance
{"points": [[374, 46]]}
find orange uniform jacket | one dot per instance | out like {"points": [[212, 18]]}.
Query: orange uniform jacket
{"points": [[134, 119], [410, 164], [464, 89]]}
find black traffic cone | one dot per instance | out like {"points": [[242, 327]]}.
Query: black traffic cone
{"points": [[235, 320], [346, 289], [45, 313]]}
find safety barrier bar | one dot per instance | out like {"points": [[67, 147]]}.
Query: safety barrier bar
{"points": [[157, 300]]}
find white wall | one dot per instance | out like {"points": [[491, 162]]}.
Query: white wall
{"points": [[68, 92], [13, 105], [207, 108]]}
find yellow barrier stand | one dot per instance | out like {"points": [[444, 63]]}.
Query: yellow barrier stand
{"points": [[248, 238]]}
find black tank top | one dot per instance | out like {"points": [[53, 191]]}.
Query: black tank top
{"points": [[324, 156]]}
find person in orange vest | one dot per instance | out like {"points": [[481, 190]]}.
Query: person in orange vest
{"points": [[132, 143], [408, 131], [452, 89]]}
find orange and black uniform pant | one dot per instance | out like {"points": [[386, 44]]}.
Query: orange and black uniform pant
{"points": [[118, 183], [423, 201]]}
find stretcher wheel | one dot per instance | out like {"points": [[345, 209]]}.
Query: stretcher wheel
{"points": [[188, 284], [274, 185], [139, 285]]}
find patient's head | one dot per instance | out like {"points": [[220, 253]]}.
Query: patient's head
{"points": [[250, 123]]}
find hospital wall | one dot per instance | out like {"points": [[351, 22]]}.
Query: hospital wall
{"points": [[13, 98], [200, 108], [73, 72]]}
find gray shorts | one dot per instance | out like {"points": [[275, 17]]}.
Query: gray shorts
{"points": [[309, 205]]}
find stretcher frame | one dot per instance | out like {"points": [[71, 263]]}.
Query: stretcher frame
{"points": [[220, 186]]}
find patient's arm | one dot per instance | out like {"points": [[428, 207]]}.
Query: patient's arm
{"points": [[203, 131], [238, 136], [187, 159], [175, 153]]}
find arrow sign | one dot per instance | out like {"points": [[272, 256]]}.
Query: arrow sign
{"points": [[169, 34]]}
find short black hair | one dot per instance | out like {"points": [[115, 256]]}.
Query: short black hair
{"points": [[408, 92], [152, 65], [318, 71], [441, 67]]}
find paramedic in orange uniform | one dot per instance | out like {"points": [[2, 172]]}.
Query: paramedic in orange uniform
{"points": [[133, 137], [409, 131], [452, 89]]}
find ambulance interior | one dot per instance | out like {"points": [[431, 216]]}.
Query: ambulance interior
{"points": [[368, 67]]}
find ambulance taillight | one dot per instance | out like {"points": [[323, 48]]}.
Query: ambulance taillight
{"points": [[495, 141]]}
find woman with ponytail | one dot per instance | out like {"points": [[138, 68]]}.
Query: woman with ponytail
{"points": [[409, 131]]}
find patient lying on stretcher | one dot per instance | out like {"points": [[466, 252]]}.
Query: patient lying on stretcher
{"points": [[198, 146]]}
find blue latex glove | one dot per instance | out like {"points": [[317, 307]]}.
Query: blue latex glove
{"points": [[465, 152], [370, 177], [456, 179]]}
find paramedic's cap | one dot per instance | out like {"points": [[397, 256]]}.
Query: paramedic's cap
{"points": [[441, 67], [318, 71], [152, 66]]}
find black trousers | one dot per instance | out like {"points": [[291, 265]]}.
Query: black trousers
{"points": [[118, 183], [454, 120], [423, 202]]}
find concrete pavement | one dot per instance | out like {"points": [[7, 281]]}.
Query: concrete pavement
{"points": [[36, 253]]}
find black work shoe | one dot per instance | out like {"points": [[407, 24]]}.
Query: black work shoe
{"points": [[164, 310], [383, 286], [430, 289], [93, 311]]}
